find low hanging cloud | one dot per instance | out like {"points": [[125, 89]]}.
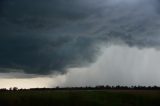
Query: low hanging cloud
{"points": [[51, 36]]}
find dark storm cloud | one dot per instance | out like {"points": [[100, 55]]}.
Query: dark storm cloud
{"points": [[40, 37]]}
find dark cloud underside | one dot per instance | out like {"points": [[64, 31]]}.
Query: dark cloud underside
{"points": [[40, 37]]}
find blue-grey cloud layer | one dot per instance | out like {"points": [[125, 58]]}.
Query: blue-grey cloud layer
{"points": [[40, 37]]}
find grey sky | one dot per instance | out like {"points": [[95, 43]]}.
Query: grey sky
{"points": [[53, 36]]}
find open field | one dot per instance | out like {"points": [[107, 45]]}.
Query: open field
{"points": [[81, 98]]}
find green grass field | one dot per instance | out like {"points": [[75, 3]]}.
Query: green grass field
{"points": [[80, 98]]}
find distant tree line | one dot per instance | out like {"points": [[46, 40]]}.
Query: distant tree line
{"points": [[102, 87]]}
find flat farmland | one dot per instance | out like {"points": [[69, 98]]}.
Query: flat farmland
{"points": [[80, 98]]}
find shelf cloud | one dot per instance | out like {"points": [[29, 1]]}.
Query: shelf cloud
{"points": [[52, 36]]}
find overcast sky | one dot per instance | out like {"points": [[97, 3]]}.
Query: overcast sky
{"points": [[79, 43]]}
